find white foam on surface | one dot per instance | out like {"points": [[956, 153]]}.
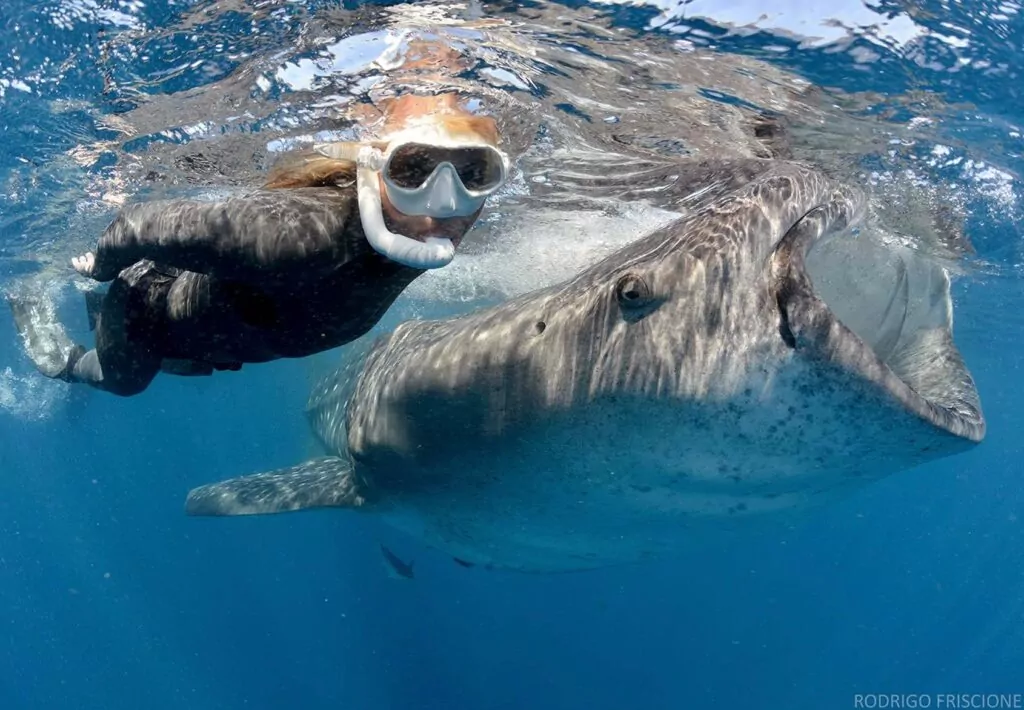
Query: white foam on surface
{"points": [[518, 253]]}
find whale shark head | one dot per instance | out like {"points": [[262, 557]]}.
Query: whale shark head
{"points": [[761, 354], [721, 307]]}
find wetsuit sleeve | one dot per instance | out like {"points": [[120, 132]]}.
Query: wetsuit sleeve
{"points": [[270, 232]]}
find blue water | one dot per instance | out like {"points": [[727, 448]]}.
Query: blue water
{"points": [[111, 598]]}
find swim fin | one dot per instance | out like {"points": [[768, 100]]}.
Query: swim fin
{"points": [[46, 342]]}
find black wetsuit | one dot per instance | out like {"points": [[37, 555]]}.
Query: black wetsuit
{"points": [[204, 286]]}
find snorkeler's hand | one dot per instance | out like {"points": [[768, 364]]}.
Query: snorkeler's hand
{"points": [[85, 264]]}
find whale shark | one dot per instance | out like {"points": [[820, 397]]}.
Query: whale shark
{"points": [[760, 356]]}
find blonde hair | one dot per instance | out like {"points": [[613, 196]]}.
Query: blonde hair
{"points": [[309, 168], [444, 108]]}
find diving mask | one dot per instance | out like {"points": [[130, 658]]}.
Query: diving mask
{"points": [[426, 172]]}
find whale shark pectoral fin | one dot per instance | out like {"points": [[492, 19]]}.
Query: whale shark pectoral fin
{"points": [[395, 566], [327, 482]]}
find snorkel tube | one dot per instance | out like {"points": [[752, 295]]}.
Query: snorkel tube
{"points": [[432, 253]]}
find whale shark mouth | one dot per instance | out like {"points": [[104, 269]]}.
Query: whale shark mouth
{"points": [[881, 312]]}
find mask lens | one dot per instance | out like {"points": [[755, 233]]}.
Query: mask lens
{"points": [[479, 168]]}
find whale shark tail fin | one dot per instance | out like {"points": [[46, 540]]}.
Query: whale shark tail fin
{"points": [[327, 482]]}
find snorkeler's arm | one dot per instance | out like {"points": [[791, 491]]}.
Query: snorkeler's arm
{"points": [[264, 233]]}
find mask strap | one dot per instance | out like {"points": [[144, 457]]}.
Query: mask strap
{"points": [[364, 156]]}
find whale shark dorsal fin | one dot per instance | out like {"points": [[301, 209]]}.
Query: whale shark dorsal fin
{"points": [[326, 482]]}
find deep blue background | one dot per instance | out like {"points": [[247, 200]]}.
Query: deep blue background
{"points": [[111, 598], [915, 585]]}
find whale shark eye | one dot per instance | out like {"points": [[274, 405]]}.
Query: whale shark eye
{"points": [[631, 291]]}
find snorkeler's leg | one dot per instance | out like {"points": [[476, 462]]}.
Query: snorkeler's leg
{"points": [[130, 375], [120, 365], [129, 369], [93, 306]]}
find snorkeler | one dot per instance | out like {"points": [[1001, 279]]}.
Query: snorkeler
{"points": [[309, 262]]}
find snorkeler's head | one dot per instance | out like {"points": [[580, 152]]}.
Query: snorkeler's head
{"points": [[440, 161], [428, 175]]}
